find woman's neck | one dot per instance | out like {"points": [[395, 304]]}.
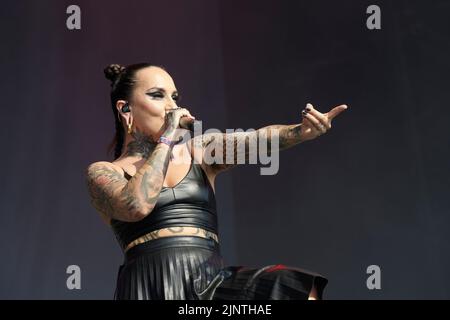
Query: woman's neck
{"points": [[138, 145]]}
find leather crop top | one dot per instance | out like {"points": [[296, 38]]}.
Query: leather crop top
{"points": [[189, 203]]}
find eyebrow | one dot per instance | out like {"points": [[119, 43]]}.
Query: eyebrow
{"points": [[162, 89]]}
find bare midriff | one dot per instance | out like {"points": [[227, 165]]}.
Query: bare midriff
{"points": [[173, 232]]}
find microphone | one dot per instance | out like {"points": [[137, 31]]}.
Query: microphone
{"points": [[188, 123]]}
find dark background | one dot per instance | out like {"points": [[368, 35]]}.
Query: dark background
{"points": [[373, 190]]}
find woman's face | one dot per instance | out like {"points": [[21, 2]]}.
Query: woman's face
{"points": [[153, 94]]}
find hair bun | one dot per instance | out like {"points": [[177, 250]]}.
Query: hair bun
{"points": [[113, 71]]}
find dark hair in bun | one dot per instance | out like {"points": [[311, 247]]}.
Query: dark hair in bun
{"points": [[123, 79], [113, 71]]}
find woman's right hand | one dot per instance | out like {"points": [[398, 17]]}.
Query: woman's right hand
{"points": [[172, 119]]}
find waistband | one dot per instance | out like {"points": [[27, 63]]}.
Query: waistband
{"points": [[172, 242]]}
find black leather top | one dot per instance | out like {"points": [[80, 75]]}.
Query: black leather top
{"points": [[190, 203]]}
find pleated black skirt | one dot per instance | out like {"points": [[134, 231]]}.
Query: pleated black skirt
{"points": [[192, 268]]}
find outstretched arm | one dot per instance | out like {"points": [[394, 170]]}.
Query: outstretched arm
{"points": [[229, 147]]}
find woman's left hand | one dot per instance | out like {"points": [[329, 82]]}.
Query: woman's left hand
{"points": [[315, 123]]}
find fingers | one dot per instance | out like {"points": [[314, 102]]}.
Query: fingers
{"points": [[318, 121], [186, 112], [182, 112], [318, 115], [335, 111], [313, 123], [315, 119]]}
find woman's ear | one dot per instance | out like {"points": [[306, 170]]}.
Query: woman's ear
{"points": [[120, 104], [124, 110]]}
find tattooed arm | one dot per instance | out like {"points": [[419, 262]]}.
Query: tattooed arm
{"points": [[132, 200], [243, 145], [127, 200]]}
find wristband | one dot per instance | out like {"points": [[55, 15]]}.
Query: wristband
{"points": [[166, 140], [170, 143]]}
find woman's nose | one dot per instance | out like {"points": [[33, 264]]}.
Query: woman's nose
{"points": [[172, 105], [168, 108]]}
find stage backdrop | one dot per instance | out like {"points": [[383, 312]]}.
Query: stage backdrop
{"points": [[372, 191]]}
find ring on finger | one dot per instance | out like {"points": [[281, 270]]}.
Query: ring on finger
{"points": [[319, 126]]}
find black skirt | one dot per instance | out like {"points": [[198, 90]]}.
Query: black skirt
{"points": [[192, 268]]}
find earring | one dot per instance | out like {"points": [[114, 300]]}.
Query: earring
{"points": [[129, 128]]}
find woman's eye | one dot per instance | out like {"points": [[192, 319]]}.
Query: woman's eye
{"points": [[156, 94], [176, 98]]}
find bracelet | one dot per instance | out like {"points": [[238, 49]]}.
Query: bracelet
{"points": [[169, 142], [166, 140]]}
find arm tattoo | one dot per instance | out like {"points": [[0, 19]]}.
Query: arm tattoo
{"points": [[130, 200], [244, 145], [289, 135], [148, 181], [109, 191]]}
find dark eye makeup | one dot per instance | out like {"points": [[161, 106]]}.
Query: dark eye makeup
{"points": [[159, 94]]}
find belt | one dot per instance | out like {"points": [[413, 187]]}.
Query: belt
{"points": [[173, 232]]}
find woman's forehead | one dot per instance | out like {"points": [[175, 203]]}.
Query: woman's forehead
{"points": [[154, 77]]}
